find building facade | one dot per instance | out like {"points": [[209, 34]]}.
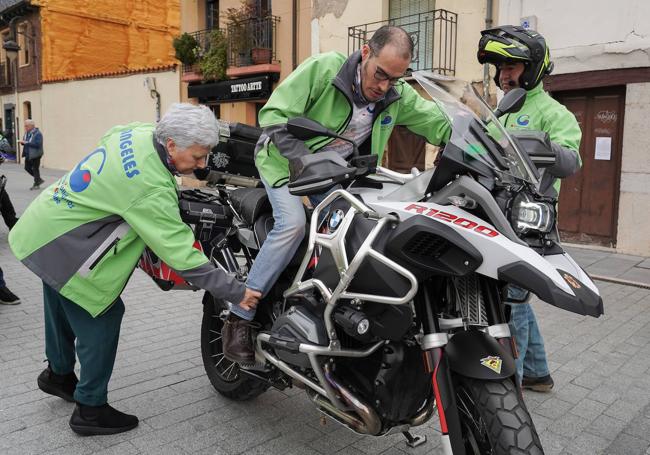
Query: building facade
{"points": [[602, 74], [445, 42], [84, 67]]}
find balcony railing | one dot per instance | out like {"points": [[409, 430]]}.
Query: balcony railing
{"points": [[252, 41], [434, 35], [203, 38]]}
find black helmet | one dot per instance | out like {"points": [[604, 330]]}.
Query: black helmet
{"points": [[512, 44]]}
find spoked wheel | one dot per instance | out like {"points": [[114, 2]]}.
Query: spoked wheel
{"points": [[495, 420], [224, 375]]}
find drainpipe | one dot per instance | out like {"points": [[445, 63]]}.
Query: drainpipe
{"points": [[294, 29], [486, 66]]}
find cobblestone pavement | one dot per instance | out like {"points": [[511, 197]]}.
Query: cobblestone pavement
{"points": [[600, 404]]}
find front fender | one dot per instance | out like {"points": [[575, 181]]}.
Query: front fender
{"points": [[477, 355]]}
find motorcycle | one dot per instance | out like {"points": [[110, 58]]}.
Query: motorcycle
{"points": [[393, 307]]}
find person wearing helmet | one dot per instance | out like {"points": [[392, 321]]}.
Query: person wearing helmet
{"points": [[522, 59]]}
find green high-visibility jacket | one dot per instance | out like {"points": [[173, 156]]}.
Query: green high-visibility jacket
{"points": [[541, 112], [84, 234], [321, 89]]}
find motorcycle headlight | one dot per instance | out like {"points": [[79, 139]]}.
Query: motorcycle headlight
{"points": [[529, 215]]}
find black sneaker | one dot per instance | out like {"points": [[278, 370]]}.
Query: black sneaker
{"points": [[7, 297], [40, 182], [543, 384], [99, 420], [58, 385]]}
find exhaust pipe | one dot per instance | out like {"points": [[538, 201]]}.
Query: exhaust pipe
{"points": [[370, 422]]}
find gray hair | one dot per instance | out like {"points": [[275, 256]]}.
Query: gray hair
{"points": [[30, 122], [188, 125]]}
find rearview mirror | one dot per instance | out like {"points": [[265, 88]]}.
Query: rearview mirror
{"points": [[512, 102], [304, 129]]}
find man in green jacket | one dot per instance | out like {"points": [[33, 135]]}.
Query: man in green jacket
{"points": [[522, 60], [84, 235], [363, 97]]}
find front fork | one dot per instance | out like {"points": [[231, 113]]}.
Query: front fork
{"points": [[436, 362]]}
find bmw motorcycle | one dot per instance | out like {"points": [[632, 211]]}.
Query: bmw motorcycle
{"points": [[393, 307]]}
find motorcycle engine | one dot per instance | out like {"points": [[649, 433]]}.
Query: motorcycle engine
{"points": [[393, 379], [302, 324]]}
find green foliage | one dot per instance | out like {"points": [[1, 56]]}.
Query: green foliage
{"points": [[239, 30], [214, 62], [187, 49]]}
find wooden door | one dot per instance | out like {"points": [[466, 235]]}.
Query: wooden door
{"points": [[589, 200]]}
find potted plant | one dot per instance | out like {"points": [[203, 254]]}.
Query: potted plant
{"points": [[215, 60], [240, 33], [261, 51], [187, 49]]}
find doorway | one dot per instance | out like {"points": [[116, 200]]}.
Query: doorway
{"points": [[588, 207]]}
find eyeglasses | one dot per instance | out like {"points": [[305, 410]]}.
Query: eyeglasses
{"points": [[381, 76]]}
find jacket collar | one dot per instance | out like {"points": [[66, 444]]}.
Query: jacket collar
{"points": [[344, 81], [162, 154], [535, 90]]}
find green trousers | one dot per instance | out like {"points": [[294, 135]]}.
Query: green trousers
{"points": [[69, 329]]}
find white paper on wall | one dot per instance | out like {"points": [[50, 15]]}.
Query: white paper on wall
{"points": [[603, 148]]}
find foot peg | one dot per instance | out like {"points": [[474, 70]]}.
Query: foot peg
{"points": [[284, 343], [414, 441]]}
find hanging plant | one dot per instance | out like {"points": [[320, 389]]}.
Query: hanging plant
{"points": [[187, 49], [214, 62]]}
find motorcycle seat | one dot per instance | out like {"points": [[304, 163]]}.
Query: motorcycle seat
{"points": [[250, 203]]}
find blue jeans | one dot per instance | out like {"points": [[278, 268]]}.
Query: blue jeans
{"points": [[280, 245], [282, 242], [530, 344]]}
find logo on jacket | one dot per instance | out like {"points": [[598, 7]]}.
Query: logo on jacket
{"points": [[493, 362], [523, 120], [386, 120], [81, 178]]}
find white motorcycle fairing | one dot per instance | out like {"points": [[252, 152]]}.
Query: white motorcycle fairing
{"points": [[556, 279]]}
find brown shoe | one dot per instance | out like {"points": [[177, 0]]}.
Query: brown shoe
{"points": [[237, 339], [543, 384]]}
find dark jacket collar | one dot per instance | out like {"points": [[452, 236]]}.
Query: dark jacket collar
{"points": [[344, 81], [162, 154]]}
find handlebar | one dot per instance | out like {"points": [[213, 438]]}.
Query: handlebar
{"points": [[397, 176]]}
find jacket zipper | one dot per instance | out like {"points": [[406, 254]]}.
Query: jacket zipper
{"points": [[110, 243], [104, 253]]}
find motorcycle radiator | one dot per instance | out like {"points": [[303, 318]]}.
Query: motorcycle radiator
{"points": [[469, 300]]}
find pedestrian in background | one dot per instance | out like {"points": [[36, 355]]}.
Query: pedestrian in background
{"points": [[32, 152]]}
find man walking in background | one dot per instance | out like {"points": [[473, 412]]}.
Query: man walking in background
{"points": [[32, 152]]}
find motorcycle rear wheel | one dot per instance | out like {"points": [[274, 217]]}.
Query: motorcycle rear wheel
{"points": [[495, 420], [224, 375]]}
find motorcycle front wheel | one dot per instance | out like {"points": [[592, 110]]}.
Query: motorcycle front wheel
{"points": [[224, 375], [494, 419]]}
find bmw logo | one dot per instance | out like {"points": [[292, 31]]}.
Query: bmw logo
{"points": [[335, 219]]}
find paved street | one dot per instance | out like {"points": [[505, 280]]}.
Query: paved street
{"points": [[601, 402]]}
